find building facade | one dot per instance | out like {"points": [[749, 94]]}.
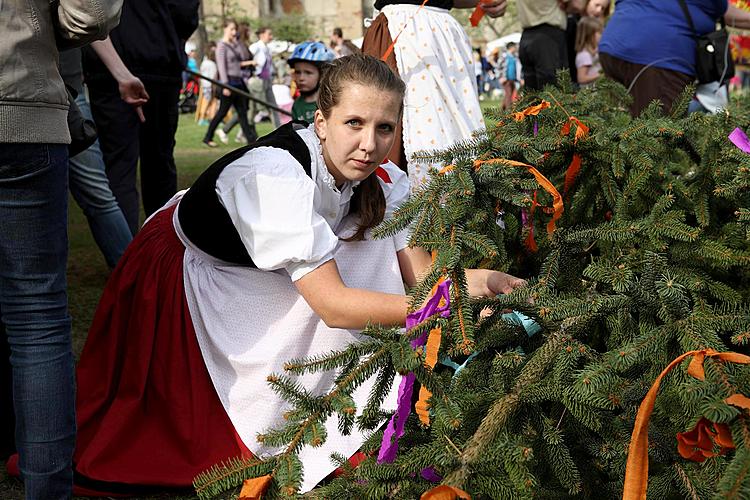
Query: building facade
{"points": [[324, 14]]}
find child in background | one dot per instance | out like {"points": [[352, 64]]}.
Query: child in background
{"points": [[587, 50], [308, 61], [509, 74], [207, 100], [597, 8]]}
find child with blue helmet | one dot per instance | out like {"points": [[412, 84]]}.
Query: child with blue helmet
{"points": [[308, 61]]}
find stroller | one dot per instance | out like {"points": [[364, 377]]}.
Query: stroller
{"points": [[188, 100]]}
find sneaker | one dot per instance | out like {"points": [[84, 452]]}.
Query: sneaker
{"points": [[222, 136], [210, 144], [240, 138], [203, 123]]}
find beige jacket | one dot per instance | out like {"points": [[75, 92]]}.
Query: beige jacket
{"points": [[33, 101]]}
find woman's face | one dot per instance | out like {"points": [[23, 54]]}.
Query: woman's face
{"points": [[306, 76], [359, 132], [596, 8], [230, 31]]}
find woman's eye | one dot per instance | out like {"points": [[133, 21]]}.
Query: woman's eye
{"points": [[386, 128], [353, 123]]}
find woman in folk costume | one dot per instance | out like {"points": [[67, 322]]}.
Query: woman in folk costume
{"points": [[265, 259], [433, 56]]}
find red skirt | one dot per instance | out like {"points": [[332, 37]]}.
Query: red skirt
{"points": [[148, 414]]}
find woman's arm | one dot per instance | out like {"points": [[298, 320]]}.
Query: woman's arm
{"points": [[415, 262], [130, 86], [493, 8], [351, 308], [584, 76], [737, 18]]}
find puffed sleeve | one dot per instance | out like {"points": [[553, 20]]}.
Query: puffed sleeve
{"points": [[395, 186], [270, 200]]}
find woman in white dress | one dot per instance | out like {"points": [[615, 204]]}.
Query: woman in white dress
{"points": [[266, 258]]}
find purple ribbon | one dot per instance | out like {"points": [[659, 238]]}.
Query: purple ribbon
{"points": [[395, 428], [740, 140], [536, 127], [431, 475]]}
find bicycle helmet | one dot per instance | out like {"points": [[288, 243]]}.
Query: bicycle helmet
{"points": [[312, 52]]}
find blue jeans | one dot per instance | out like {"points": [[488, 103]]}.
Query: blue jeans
{"points": [[34, 311], [90, 188]]}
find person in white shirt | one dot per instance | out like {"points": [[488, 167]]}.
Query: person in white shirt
{"points": [[260, 83], [207, 101], [266, 258]]}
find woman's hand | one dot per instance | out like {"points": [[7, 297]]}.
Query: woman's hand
{"points": [[134, 93], [495, 8], [226, 92], [487, 283]]}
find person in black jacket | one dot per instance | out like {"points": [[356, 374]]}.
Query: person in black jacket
{"points": [[150, 40]]}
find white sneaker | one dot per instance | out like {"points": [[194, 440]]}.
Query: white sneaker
{"points": [[240, 138], [222, 136]]}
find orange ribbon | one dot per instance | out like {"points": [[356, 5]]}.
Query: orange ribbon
{"points": [[253, 489], [422, 407], [477, 15], [446, 169], [636, 470], [445, 492], [575, 165], [557, 202], [435, 337], [530, 241], [571, 173], [698, 444], [530, 111], [388, 51]]}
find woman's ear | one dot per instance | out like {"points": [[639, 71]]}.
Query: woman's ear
{"points": [[320, 124]]}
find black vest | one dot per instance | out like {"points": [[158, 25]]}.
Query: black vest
{"points": [[203, 218]]}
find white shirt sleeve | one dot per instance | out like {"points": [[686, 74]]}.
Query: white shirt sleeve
{"points": [[395, 186], [270, 200]]}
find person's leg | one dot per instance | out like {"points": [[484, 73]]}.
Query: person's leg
{"points": [[7, 431], [255, 89], [241, 105], [158, 170], [34, 310], [90, 188], [117, 125], [271, 99], [509, 87], [228, 126], [225, 102], [526, 57]]}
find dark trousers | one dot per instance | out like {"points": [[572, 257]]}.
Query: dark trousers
{"points": [[240, 104], [124, 140], [7, 431], [542, 51], [646, 84]]}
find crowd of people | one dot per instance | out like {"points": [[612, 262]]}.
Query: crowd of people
{"points": [[172, 377]]}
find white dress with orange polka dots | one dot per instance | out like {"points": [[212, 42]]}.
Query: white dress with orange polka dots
{"points": [[435, 60]]}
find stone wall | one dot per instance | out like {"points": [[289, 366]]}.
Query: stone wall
{"points": [[325, 14]]}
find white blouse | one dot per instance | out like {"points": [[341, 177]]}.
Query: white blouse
{"points": [[250, 322], [287, 219]]}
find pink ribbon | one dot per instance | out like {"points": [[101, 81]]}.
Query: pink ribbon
{"points": [[740, 140], [395, 428]]}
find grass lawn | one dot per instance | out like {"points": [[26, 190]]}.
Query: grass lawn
{"points": [[87, 271]]}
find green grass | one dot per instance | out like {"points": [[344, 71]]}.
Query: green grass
{"points": [[87, 271]]}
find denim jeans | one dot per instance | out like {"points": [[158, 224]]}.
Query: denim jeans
{"points": [[90, 188], [34, 311]]}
